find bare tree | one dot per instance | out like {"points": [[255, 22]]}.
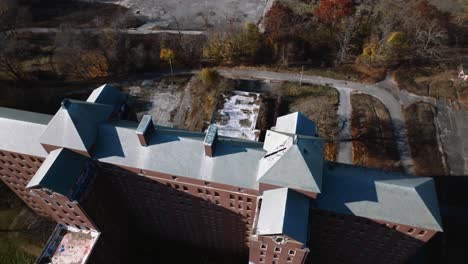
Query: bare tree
{"points": [[75, 55], [7, 14], [344, 39], [430, 40], [12, 52]]}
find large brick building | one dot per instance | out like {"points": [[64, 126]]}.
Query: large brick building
{"points": [[109, 182]]}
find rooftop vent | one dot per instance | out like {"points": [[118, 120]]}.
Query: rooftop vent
{"points": [[210, 140], [145, 129]]}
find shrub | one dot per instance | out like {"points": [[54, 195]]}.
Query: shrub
{"points": [[241, 46], [207, 76]]}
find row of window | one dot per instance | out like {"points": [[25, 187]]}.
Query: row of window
{"points": [[275, 261], [19, 157], [410, 231], [264, 247]]}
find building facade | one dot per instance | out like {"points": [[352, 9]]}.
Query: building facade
{"points": [[108, 182]]}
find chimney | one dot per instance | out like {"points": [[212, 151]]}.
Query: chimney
{"points": [[210, 140], [145, 129]]}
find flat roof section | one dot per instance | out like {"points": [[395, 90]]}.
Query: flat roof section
{"points": [[20, 131]]}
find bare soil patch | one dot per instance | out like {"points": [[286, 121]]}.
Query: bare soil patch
{"points": [[422, 136], [374, 144], [160, 98]]}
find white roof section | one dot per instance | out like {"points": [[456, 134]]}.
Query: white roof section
{"points": [[20, 131], [284, 212], [74, 126], [292, 161], [296, 123], [376, 194]]}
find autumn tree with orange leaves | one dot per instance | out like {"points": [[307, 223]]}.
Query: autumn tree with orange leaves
{"points": [[332, 11]]}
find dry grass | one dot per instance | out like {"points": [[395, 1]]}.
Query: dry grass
{"points": [[437, 83], [422, 136], [370, 74], [204, 101], [372, 132], [320, 104]]}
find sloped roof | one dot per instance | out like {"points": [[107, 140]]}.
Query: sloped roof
{"points": [[296, 123], [59, 172], [107, 94], [20, 131], [376, 194], [75, 125], [284, 212], [292, 161]]}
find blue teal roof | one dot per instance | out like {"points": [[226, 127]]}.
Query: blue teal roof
{"points": [[75, 125], [376, 194], [59, 172], [107, 94]]}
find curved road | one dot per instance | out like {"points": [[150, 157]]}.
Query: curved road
{"points": [[389, 99]]}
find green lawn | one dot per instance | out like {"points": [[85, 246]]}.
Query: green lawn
{"points": [[12, 245]]}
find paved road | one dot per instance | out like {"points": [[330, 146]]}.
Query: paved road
{"points": [[405, 98], [391, 101], [345, 149], [143, 30]]}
